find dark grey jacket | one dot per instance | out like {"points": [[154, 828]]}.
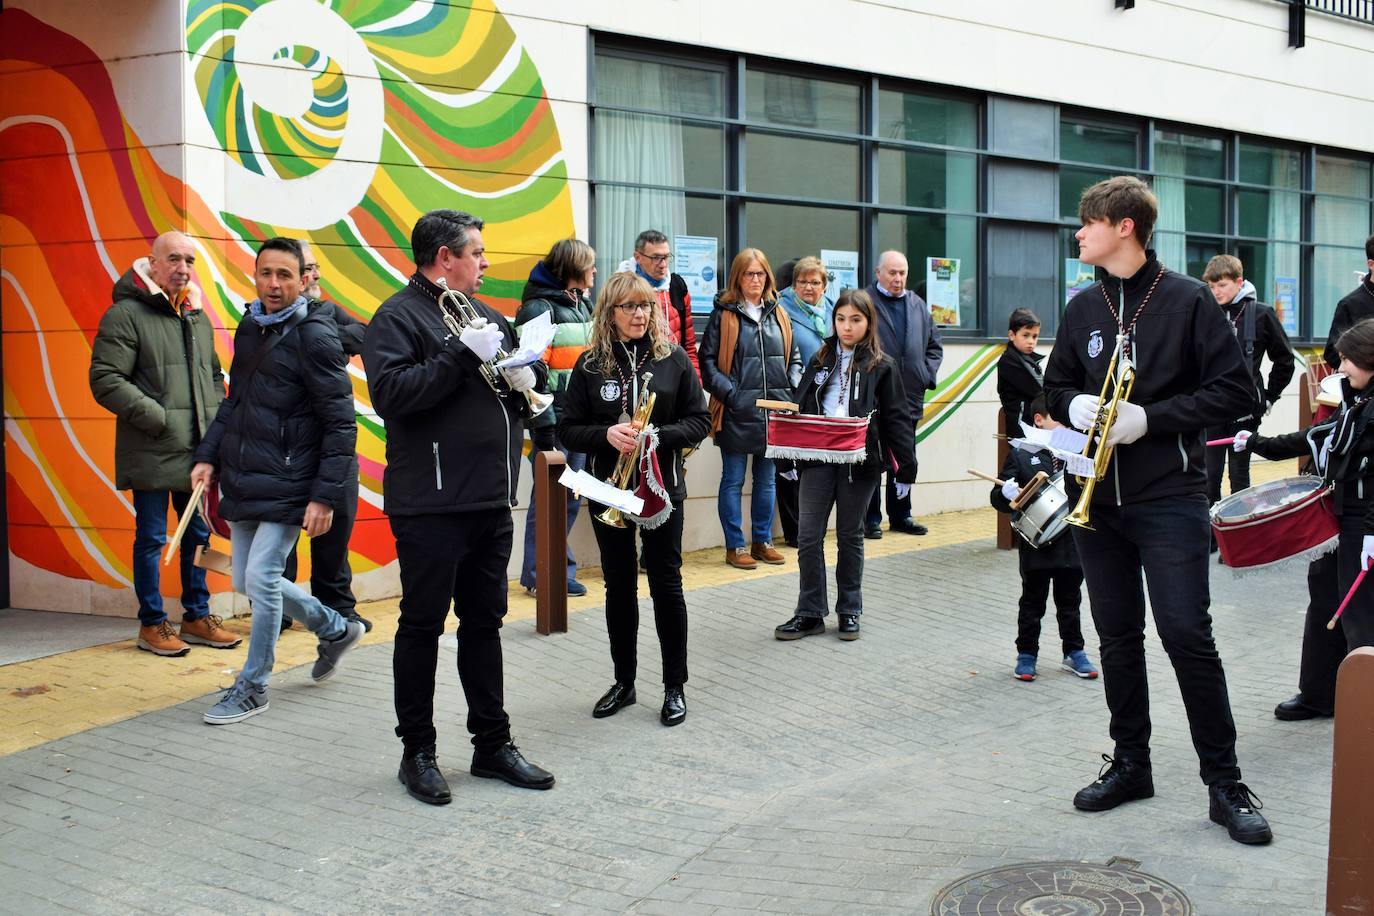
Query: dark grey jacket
{"points": [[918, 353], [760, 369]]}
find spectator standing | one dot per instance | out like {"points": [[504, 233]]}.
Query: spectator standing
{"points": [[652, 260], [1019, 376]]}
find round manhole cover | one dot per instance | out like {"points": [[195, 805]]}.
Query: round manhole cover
{"points": [[1060, 889]]}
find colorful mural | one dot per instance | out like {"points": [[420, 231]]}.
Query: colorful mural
{"points": [[339, 122]]}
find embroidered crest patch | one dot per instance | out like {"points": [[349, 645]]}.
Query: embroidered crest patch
{"points": [[1095, 345], [610, 390]]}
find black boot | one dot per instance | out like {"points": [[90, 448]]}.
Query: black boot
{"points": [[800, 626], [674, 706], [506, 762], [1230, 804], [611, 702], [1296, 709], [1121, 780], [849, 626], [421, 777]]}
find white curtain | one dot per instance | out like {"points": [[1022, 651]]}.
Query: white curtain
{"points": [[1169, 241]]}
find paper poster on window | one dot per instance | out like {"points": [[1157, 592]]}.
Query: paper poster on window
{"points": [[694, 257], [1286, 302], [842, 270], [942, 289], [1077, 277]]}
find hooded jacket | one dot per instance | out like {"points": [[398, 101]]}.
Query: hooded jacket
{"points": [[1260, 333], [1189, 375], [572, 322], [1356, 305], [760, 369], [153, 366], [289, 437], [908, 334]]}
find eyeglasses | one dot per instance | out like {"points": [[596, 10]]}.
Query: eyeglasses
{"points": [[311, 268], [629, 308], [808, 282], [656, 258], [755, 275]]}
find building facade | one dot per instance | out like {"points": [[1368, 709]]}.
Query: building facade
{"points": [[959, 133]]}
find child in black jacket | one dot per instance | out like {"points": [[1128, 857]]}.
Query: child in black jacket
{"points": [[1019, 376], [848, 377], [1055, 563]]}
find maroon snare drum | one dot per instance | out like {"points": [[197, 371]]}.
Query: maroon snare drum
{"points": [[1275, 521], [812, 437]]}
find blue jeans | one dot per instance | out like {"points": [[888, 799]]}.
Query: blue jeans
{"points": [[260, 550], [732, 490], [150, 536], [576, 461]]}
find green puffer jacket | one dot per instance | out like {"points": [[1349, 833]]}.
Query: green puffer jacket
{"points": [[572, 323], [157, 372]]}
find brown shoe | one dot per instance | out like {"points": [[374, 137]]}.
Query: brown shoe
{"points": [[764, 552], [739, 558], [160, 640], [209, 631]]}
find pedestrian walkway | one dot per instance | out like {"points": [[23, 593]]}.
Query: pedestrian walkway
{"points": [[816, 776]]}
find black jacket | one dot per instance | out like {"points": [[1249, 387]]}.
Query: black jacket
{"points": [[1354, 306], [1019, 379], [890, 436], [760, 370], [351, 330], [452, 443], [289, 438], [1189, 375], [1021, 466], [919, 352], [593, 404], [1352, 471], [1251, 317]]}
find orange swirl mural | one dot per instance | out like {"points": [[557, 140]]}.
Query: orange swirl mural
{"points": [[443, 108]]}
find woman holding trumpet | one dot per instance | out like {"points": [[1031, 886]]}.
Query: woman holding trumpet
{"points": [[630, 390]]}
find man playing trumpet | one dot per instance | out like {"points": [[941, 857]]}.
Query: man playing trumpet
{"points": [[453, 442]]}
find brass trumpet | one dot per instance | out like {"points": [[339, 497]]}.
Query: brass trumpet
{"points": [[626, 463], [1119, 382], [457, 315]]}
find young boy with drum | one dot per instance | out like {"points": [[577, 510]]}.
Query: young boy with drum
{"points": [[1343, 449], [1053, 564], [848, 377]]}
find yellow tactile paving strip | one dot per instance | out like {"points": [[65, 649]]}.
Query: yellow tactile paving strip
{"points": [[49, 698]]}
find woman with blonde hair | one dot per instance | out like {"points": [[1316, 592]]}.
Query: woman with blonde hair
{"points": [[627, 356], [747, 353]]}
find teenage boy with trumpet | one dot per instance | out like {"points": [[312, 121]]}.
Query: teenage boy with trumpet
{"points": [[1149, 513]]}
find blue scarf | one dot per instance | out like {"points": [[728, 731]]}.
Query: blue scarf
{"points": [[653, 284], [266, 319]]}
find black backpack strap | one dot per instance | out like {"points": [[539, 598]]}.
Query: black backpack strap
{"points": [[1248, 335]]}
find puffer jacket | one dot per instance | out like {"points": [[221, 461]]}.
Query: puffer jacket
{"points": [[572, 321], [290, 437], [761, 369], [153, 366]]}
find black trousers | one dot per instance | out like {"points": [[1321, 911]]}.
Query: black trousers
{"points": [[785, 497], [1068, 600], [1165, 538], [331, 576], [1223, 457], [1323, 650], [620, 568], [454, 560]]}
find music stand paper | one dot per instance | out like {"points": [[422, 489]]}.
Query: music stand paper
{"points": [[1064, 443], [535, 337], [597, 490]]}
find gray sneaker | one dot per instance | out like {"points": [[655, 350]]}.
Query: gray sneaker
{"points": [[332, 650], [238, 703]]}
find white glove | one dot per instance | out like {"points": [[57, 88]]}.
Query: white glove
{"points": [[1269, 407], [483, 338], [788, 475], [903, 490], [1083, 411], [1011, 489], [1367, 552], [520, 378], [1129, 425], [1242, 440]]}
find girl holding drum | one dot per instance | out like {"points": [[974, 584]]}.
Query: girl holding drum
{"points": [[1343, 449], [848, 377]]}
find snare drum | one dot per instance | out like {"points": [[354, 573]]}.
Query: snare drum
{"points": [[1275, 521], [812, 437], [1042, 514]]}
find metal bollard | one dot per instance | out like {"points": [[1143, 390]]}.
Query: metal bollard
{"points": [[1350, 856], [550, 544]]}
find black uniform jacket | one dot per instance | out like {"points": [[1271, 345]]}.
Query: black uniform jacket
{"points": [[1189, 375], [1021, 466], [593, 404], [1019, 380], [1354, 306], [452, 443]]}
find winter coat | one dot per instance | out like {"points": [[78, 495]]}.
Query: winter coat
{"points": [[154, 367], [289, 437], [804, 332], [572, 321], [1259, 333], [761, 369], [1021, 466], [891, 440], [594, 403], [351, 330], [1354, 306], [908, 334], [1019, 381], [1189, 375], [452, 443]]}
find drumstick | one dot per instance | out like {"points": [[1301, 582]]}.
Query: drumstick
{"points": [[186, 517], [984, 476], [1227, 441], [1331, 624]]}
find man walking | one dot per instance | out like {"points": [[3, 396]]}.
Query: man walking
{"points": [[153, 365]]}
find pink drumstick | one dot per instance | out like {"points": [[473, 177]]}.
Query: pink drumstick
{"points": [[1331, 624], [1226, 441]]}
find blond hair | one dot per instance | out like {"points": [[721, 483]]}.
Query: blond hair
{"points": [[619, 289]]}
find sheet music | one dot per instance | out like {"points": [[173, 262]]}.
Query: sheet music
{"points": [[535, 337], [1064, 443], [600, 491]]}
